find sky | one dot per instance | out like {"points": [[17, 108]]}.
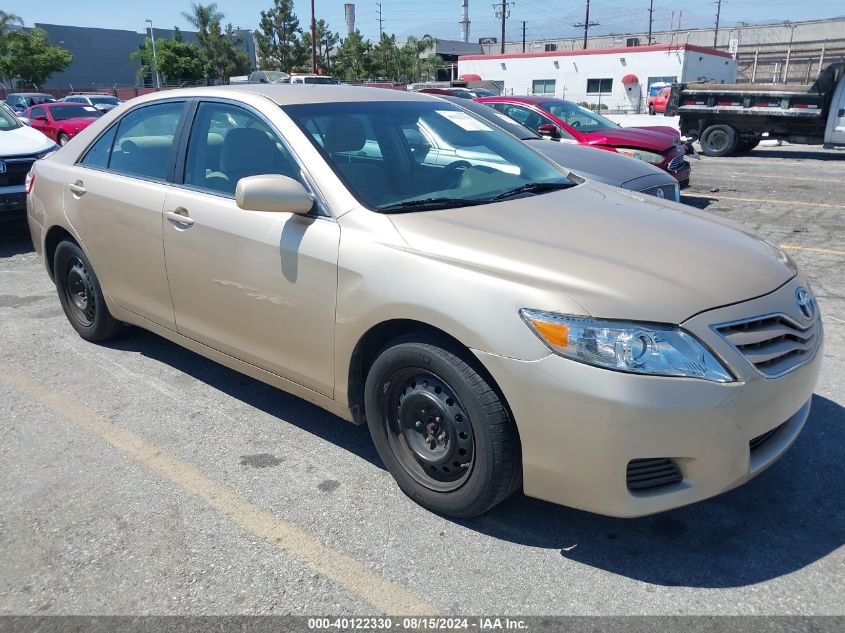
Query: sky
{"points": [[543, 18]]}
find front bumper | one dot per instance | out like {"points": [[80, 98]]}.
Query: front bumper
{"points": [[580, 426]]}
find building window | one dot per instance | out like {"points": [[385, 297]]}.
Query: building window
{"points": [[632, 41], [599, 86], [543, 87], [550, 47]]}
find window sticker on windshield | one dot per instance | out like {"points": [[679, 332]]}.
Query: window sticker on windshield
{"points": [[465, 121], [90, 108]]}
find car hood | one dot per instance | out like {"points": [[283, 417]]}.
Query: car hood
{"points": [[76, 123], [619, 255], [597, 164], [23, 140], [640, 138]]}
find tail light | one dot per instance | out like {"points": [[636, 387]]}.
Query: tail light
{"points": [[29, 181]]}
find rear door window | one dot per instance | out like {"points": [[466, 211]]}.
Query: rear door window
{"points": [[143, 144]]}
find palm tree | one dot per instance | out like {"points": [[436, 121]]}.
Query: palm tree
{"points": [[420, 46], [201, 17], [8, 20]]}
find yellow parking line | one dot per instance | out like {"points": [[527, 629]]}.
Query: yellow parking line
{"points": [[385, 595], [813, 248], [718, 196]]}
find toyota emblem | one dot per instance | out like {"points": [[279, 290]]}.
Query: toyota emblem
{"points": [[805, 303], [2, 167], [660, 194]]}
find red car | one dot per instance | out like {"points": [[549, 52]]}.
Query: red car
{"points": [[563, 120], [61, 121], [658, 102]]}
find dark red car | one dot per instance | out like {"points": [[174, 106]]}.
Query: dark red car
{"points": [[658, 145], [61, 121]]}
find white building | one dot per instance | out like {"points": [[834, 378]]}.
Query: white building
{"points": [[614, 77]]}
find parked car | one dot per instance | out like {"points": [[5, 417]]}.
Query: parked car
{"points": [[61, 121], [589, 162], [20, 147], [20, 101], [102, 102], [660, 145], [658, 101], [494, 328], [262, 77], [304, 78]]}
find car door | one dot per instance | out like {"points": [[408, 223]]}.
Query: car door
{"points": [[258, 286], [115, 195], [42, 125], [533, 119]]}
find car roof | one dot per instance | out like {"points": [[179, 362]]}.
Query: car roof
{"points": [[535, 99], [29, 94], [291, 94]]}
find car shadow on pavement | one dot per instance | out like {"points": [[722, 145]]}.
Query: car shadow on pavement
{"points": [[787, 518], [14, 237], [275, 402], [697, 201]]}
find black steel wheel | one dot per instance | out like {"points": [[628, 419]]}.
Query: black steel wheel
{"points": [[80, 294], [719, 140], [441, 428]]}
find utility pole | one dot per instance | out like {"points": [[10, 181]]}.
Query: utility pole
{"points": [[380, 21], [587, 24], [313, 41], [503, 11], [650, 18], [523, 36], [716, 32], [791, 28], [155, 62]]}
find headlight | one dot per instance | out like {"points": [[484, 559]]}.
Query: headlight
{"points": [[47, 151], [639, 154], [639, 348]]}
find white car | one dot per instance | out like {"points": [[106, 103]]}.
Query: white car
{"points": [[20, 146]]}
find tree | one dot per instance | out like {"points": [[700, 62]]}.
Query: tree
{"points": [[7, 21], [432, 64], [280, 40], [222, 48], [353, 58], [326, 43], [31, 58], [201, 16], [178, 62], [419, 46]]}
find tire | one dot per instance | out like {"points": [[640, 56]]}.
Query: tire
{"points": [[63, 139], [81, 295], [719, 140], [464, 457], [651, 109], [746, 145]]}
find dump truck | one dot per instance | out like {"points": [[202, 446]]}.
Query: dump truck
{"points": [[733, 118]]}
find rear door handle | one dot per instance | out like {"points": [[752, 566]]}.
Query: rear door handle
{"points": [[76, 188], [179, 216]]}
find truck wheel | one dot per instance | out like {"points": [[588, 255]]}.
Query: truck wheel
{"points": [[440, 428], [718, 140], [746, 145]]}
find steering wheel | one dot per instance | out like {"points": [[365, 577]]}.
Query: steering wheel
{"points": [[449, 175], [576, 124]]}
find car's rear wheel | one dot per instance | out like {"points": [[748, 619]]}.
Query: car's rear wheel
{"points": [[718, 140], [441, 429], [81, 295], [63, 138]]}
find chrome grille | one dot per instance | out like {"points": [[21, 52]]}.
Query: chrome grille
{"points": [[648, 474], [676, 163], [774, 344], [16, 171], [668, 192]]}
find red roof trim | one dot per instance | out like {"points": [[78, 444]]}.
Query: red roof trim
{"points": [[604, 51]]}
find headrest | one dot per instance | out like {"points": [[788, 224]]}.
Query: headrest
{"points": [[246, 149], [345, 134]]}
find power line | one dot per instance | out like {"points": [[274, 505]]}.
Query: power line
{"points": [[650, 18], [380, 21], [716, 32], [587, 24]]}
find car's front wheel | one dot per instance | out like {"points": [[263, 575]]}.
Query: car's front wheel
{"points": [[63, 139], [441, 428], [81, 295]]}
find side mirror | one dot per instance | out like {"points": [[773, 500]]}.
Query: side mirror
{"points": [[40, 117], [24, 120], [273, 193], [549, 129]]}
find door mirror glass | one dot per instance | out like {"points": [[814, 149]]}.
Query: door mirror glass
{"points": [[41, 117], [549, 129], [273, 193]]}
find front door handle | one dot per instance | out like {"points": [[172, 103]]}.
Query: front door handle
{"points": [[179, 216], [76, 188]]}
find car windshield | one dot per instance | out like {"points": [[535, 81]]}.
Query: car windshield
{"points": [[73, 111], [105, 100], [503, 121], [8, 120], [417, 155], [581, 119], [275, 76]]}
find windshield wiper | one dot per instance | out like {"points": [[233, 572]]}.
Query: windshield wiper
{"points": [[430, 204], [534, 187]]}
